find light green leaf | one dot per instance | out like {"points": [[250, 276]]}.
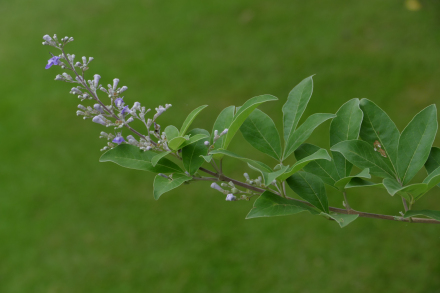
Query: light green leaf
{"points": [[223, 121], [269, 177], [377, 125], [324, 169], [342, 219], [271, 205], [295, 105], [359, 182], [157, 157], [191, 153], [194, 138], [304, 131], [207, 158], [311, 188], [345, 126], [242, 114], [176, 142], [432, 178], [162, 185], [393, 187], [132, 157], [362, 155], [258, 165], [415, 143], [428, 213], [344, 181], [260, 131], [321, 154], [190, 119], [171, 131]]}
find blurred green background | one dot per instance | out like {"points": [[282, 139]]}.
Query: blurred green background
{"points": [[71, 224]]}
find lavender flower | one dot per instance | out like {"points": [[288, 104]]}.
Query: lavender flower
{"points": [[119, 102], [99, 108], [217, 187], [125, 111], [118, 139], [55, 60], [98, 119], [230, 197]]}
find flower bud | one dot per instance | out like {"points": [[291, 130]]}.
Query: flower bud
{"points": [[216, 187], [96, 79], [115, 83], [99, 108], [99, 119], [230, 197]]}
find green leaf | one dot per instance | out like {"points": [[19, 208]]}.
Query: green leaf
{"points": [[428, 213], [433, 161], [207, 158], [295, 105], [345, 126], [324, 169], [269, 177], [157, 157], [304, 131], [258, 165], [359, 182], [132, 157], [377, 125], [433, 178], [260, 131], [193, 139], [242, 114], [393, 187], [271, 205], [321, 154], [190, 119], [342, 219], [344, 181], [362, 155], [191, 153], [223, 121], [171, 131], [176, 142], [162, 185], [415, 143], [311, 188]]}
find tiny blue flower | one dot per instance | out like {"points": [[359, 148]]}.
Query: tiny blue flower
{"points": [[55, 60], [125, 111], [118, 139]]}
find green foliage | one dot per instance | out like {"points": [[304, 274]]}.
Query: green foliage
{"points": [[260, 131], [189, 120], [428, 213], [129, 156], [255, 164], [191, 154], [162, 184], [319, 155], [341, 183], [223, 121]]}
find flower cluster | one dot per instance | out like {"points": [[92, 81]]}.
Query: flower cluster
{"points": [[115, 113], [215, 138], [231, 191]]}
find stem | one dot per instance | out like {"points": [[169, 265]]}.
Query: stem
{"points": [[347, 205], [405, 205]]}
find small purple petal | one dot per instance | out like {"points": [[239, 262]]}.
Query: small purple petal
{"points": [[119, 102], [126, 110], [99, 120], [118, 140], [55, 60]]}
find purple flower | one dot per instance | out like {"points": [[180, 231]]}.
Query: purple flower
{"points": [[125, 111], [98, 119], [118, 139], [230, 197], [119, 102], [217, 187], [55, 60]]}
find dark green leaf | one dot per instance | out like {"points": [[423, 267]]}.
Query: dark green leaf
{"points": [[311, 188], [271, 205], [344, 181], [260, 131], [223, 121], [132, 157], [304, 131], [242, 114], [162, 185], [359, 182], [433, 161], [415, 143], [393, 187], [428, 213], [324, 169], [362, 155], [295, 105], [269, 177], [157, 157], [193, 139], [190, 119], [191, 153], [207, 158], [345, 126], [342, 219], [377, 126]]}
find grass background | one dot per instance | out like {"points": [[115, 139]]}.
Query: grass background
{"points": [[71, 224]]}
